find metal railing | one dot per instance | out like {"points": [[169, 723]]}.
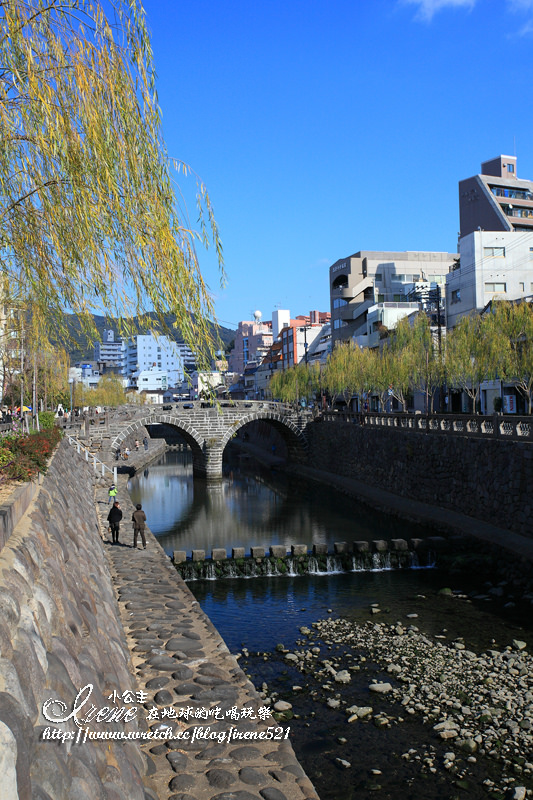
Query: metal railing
{"points": [[495, 426], [97, 463]]}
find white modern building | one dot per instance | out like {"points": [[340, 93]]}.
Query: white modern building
{"points": [[152, 354], [493, 265], [149, 380]]}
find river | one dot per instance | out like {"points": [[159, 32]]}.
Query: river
{"points": [[257, 506]]}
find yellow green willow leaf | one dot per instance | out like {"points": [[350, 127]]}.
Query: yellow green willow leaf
{"points": [[88, 216]]}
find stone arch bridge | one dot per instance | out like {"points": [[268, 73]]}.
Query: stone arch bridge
{"points": [[206, 428]]}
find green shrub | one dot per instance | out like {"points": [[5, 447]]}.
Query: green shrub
{"points": [[46, 420], [5, 456]]}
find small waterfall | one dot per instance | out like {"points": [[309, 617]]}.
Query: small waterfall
{"points": [[210, 573], [381, 562], [231, 570], [333, 565], [312, 566], [359, 564], [290, 568]]}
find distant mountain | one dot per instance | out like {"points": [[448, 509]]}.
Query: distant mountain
{"points": [[85, 349]]}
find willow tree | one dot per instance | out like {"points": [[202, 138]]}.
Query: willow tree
{"points": [[297, 383], [88, 217], [400, 356], [513, 325], [473, 355], [428, 371]]}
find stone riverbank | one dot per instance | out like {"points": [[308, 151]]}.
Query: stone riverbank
{"points": [[174, 716], [219, 741]]}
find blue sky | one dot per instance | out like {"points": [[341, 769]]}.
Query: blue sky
{"points": [[323, 128]]}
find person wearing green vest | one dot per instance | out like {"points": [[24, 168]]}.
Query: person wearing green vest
{"points": [[112, 493]]}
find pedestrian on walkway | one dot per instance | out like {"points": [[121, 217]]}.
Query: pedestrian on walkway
{"points": [[114, 517], [145, 443], [138, 519], [112, 493]]}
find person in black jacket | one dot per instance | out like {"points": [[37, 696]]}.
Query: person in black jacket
{"points": [[114, 517]]}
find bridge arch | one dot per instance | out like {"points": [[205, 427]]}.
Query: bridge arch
{"points": [[208, 430], [193, 437], [293, 437]]}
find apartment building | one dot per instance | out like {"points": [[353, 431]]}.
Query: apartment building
{"points": [[149, 354], [109, 350], [493, 265], [496, 240], [496, 199], [389, 279], [252, 342]]}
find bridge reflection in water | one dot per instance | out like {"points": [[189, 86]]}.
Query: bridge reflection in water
{"points": [[253, 506]]}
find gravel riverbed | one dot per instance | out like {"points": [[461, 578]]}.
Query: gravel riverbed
{"points": [[455, 721]]}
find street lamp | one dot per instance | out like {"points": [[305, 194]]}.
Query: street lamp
{"points": [[71, 383]]}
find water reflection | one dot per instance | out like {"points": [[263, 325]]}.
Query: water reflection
{"points": [[252, 506]]}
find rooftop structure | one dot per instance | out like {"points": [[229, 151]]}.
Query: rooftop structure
{"points": [[496, 199]]}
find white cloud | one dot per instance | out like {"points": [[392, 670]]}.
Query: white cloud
{"points": [[520, 5], [428, 8], [523, 6]]}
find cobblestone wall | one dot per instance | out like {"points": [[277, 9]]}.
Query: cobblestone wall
{"points": [[59, 631], [489, 480]]}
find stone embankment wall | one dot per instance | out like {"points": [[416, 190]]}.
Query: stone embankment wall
{"points": [[59, 631], [485, 479]]}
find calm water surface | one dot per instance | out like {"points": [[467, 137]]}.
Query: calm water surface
{"points": [[257, 506]]}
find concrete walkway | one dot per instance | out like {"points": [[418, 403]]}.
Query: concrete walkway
{"points": [[194, 687]]}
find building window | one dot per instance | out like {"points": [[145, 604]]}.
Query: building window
{"points": [[496, 287], [494, 252], [456, 296], [339, 303], [405, 278], [510, 167], [513, 194], [522, 287], [527, 213], [381, 298], [339, 323], [378, 276]]}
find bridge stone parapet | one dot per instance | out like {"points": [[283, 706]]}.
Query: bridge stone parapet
{"points": [[206, 428]]}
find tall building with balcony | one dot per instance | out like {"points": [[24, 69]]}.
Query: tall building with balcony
{"points": [[109, 350], [496, 240], [365, 279], [496, 199]]}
